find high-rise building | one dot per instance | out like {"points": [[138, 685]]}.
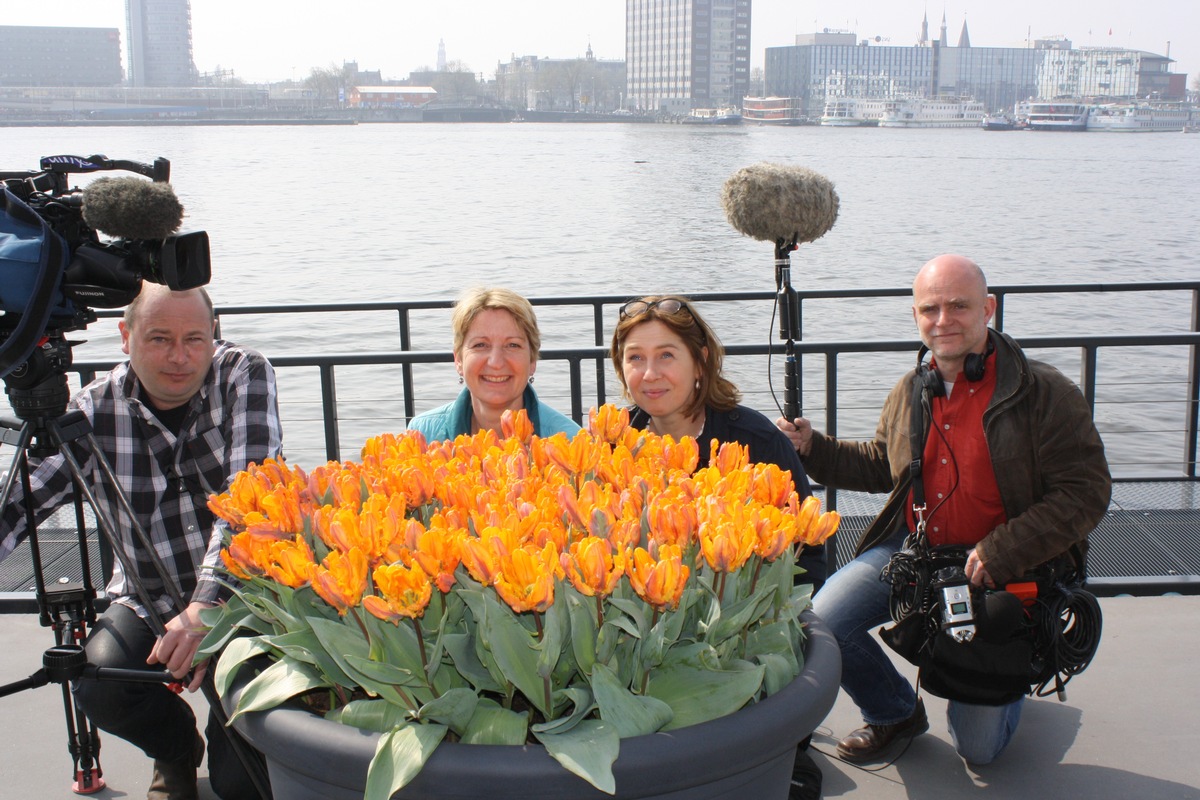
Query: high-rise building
{"points": [[160, 43], [685, 54], [46, 56]]}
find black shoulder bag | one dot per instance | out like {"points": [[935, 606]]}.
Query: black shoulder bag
{"points": [[976, 646]]}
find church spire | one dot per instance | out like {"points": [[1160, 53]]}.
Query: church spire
{"points": [[964, 38], [923, 38]]}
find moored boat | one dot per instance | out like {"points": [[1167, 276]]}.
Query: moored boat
{"points": [[935, 112], [1138, 117], [1058, 115], [713, 116], [773, 110], [852, 112]]}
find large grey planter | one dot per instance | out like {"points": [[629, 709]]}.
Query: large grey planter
{"points": [[744, 755]]}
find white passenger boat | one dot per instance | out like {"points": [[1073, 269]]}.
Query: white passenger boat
{"points": [[1058, 115], [1138, 117], [851, 112], [936, 112]]}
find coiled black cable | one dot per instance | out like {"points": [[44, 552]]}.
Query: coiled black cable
{"points": [[1068, 635]]}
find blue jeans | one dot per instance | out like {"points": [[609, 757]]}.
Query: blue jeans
{"points": [[854, 603]]}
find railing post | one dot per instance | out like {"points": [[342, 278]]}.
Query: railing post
{"points": [[831, 382], [1193, 412], [598, 327], [410, 405], [329, 412], [576, 371], [1088, 377]]}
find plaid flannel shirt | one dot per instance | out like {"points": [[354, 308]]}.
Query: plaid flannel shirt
{"points": [[232, 421]]}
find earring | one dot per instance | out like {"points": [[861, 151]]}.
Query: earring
{"points": [[460, 378], [531, 379], [697, 386]]}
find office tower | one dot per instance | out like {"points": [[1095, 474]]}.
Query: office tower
{"points": [[685, 54], [160, 43]]}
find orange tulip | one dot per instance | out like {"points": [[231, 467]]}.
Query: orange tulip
{"points": [[439, 552], [727, 544], [481, 560], [771, 485], [658, 581], [341, 579], [806, 518], [291, 562], [608, 423], [403, 593], [526, 581], [591, 568], [826, 526], [516, 425]]}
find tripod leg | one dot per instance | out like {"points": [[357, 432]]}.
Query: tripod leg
{"points": [[84, 744]]}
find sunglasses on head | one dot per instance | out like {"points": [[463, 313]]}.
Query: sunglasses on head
{"points": [[667, 305]]}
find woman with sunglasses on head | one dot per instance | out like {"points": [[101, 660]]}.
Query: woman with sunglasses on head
{"points": [[496, 344], [668, 361]]}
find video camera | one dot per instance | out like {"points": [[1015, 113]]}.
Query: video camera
{"points": [[54, 267]]}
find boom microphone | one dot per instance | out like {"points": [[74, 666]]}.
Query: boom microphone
{"points": [[779, 203], [132, 208]]}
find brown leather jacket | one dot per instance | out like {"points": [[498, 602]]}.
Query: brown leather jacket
{"points": [[1046, 452]]}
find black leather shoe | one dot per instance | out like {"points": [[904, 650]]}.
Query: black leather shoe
{"points": [[866, 743], [806, 777]]}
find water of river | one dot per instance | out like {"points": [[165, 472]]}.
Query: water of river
{"points": [[355, 213]]}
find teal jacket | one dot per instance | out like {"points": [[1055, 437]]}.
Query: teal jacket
{"points": [[454, 418]]}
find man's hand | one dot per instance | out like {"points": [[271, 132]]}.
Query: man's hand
{"points": [[176, 648], [799, 431], [977, 573]]}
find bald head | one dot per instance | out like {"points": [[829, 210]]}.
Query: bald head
{"points": [[952, 308], [949, 266], [151, 294]]}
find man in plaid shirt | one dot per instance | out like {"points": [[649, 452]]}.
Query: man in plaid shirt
{"points": [[176, 422]]}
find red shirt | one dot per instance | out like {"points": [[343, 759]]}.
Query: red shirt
{"points": [[961, 496]]}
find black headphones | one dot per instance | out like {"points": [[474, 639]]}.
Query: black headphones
{"points": [[974, 367]]}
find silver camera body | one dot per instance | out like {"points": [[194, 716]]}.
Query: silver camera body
{"points": [[958, 611]]}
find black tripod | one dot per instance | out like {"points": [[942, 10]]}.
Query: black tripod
{"points": [[70, 610]]}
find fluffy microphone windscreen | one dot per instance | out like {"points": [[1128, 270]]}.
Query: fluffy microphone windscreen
{"points": [[773, 202], [132, 208]]}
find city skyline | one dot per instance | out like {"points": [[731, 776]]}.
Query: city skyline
{"points": [[261, 42]]}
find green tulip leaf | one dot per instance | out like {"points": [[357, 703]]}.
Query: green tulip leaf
{"points": [[491, 724], [513, 647], [630, 714], [282, 680], [737, 616], [588, 750], [556, 627], [580, 700], [461, 647], [774, 639], [232, 657], [697, 694], [399, 757], [583, 630], [453, 709], [372, 715], [779, 672]]}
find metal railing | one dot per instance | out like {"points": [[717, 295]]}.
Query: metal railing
{"points": [[596, 356]]}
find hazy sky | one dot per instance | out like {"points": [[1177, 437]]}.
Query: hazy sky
{"points": [[263, 40]]}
